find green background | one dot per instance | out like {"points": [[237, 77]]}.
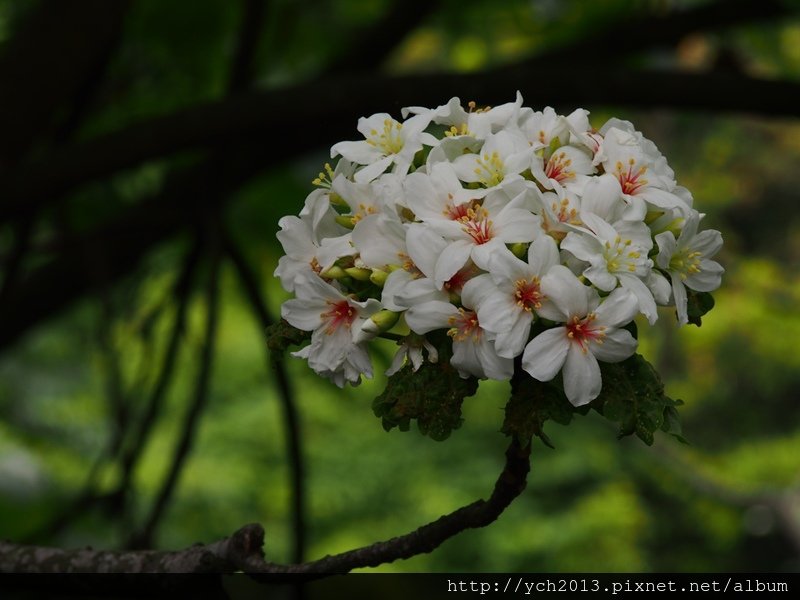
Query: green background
{"points": [[728, 501]]}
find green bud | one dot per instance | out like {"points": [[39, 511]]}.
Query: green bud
{"points": [[676, 226], [358, 273], [555, 144], [334, 273], [345, 221], [336, 199], [519, 250], [378, 277], [652, 215], [385, 319]]}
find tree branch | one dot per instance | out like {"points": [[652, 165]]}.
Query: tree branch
{"points": [[250, 28], [143, 538], [294, 450], [261, 114], [243, 550], [649, 31], [375, 45], [47, 66], [182, 291]]}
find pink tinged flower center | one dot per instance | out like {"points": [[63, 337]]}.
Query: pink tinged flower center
{"points": [[630, 179], [528, 294], [457, 281], [455, 212], [477, 224], [341, 314], [464, 326], [566, 213], [583, 330], [558, 167]]}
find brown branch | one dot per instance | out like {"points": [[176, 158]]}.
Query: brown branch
{"points": [[263, 114], [294, 451], [243, 550], [250, 29], [23, 231], [220, 556], [371, 49], [114, 248], [49, 65], [642, 32]]}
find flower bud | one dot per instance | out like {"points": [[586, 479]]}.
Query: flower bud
{"points": [[385, 319], [381, 321], [345, 221], [336, 200], [358, 273], [519, 250], [378, 277], [334, 272]]}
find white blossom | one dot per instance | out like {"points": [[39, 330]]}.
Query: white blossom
{"points": [[523, 235]]}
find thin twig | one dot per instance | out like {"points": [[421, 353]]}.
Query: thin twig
{"points": [[291, 418], [142, 431], [250, 30], [144, 537]]}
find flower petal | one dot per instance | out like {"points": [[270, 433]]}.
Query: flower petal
{"points": [[582, 380], [545, 354], [618, 344], [428, 316]]}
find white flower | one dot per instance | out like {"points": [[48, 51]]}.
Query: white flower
{"points": [[475, 123], [590, 333], [644, 178], [312, 242], [687, 260], [473, 348], [334, 319], [541, 128], [568, 167], [388, 142], [504, 155], [381, 241], [438, 194], [475, 230], [510, 295], [411, 350], [615, 256]]}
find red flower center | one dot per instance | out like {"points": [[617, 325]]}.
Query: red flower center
{"points": [[583, 331], [340, 314], [528, 294]]}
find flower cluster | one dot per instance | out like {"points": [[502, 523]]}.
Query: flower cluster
{"points": [[518, 232]]}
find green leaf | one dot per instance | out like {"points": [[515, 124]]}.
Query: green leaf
{"points": [[672, 423], [281, 335], [532, 403], [432, 395], [698, 304], [633, 396]]}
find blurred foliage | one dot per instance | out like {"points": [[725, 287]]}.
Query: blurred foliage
{"points": [[727, 502]]}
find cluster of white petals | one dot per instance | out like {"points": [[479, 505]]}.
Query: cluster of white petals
{"points": [[519, 233]]}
